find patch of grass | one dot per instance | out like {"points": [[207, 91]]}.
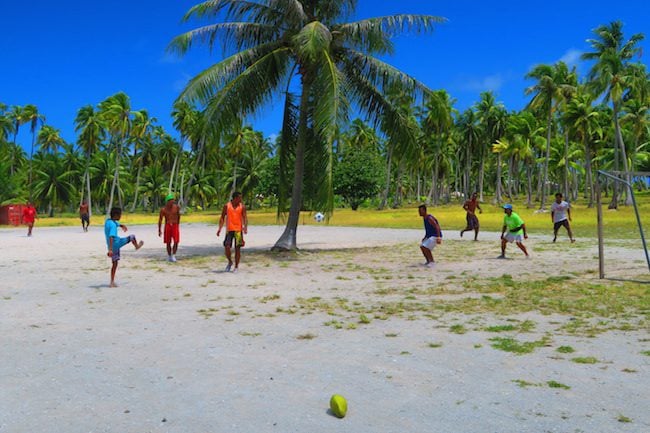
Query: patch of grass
{"points": [[511, 345], [307, 336], [524, 384], [250, 334], [646, 353], [585, 360], [405, 352], [434, 345], [565, 349], [629, 370], [623, 418], [269, 298], [391, 335], [500, 328], [364, 319], [458, 329], [554, 384]]}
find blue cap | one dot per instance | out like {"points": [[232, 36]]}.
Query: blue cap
{"points": [[507, 206]]}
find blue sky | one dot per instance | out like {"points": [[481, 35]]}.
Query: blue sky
{"points": [[63, 55]]}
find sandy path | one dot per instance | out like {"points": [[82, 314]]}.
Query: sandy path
{"points": [[186, 348]]}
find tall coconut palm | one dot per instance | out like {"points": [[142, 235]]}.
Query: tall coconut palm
{"points": [[582, 118], [49, 139], [115, 112], [276, 40], [469, 132], [90, 127], [141, 136], [611, 75], [33, 117], [551, 85]]}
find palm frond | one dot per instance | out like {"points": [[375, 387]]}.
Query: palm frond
{"points": [[312, 41], [232, 35], [373, 34]]}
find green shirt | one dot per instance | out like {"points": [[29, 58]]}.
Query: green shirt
{"points": [[512, 222]]}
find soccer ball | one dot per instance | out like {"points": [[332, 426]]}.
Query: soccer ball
{"points": [[319, 217]]}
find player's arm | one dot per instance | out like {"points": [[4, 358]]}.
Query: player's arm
{"points": [[224, 211], [503, 230], [178, 212], [568, 212], [478, 206], [160, 217], [523, 226], [244, 219]]}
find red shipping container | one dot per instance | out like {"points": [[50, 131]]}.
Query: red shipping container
{"points": [[11, 214]]}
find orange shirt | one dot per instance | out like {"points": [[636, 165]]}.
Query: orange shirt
{"points": [[234, 214]]}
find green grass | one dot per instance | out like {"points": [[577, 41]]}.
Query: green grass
{"points": [[565, 349], [554, 384], [511, 345], [585, 360], [618, 224]]}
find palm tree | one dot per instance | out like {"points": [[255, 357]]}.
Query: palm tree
{"points": [[276, 40], [141, 135], [548, 91], [33, 117], [239, 139], [469, 131], [89, 125], [115, 112], [582, 118], [49, 139], [491, 116], [611, 75], [52, 184]]}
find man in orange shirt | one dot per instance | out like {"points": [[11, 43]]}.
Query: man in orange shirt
{"points": [[234, 213], [29, 215]]}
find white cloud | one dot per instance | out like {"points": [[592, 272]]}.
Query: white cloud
{"points": [[491, 82], [571, 57]]}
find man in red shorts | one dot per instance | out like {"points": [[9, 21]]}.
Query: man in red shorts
{"points": [[29, 215], [171, 213]]}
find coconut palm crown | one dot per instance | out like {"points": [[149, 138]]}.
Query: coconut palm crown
{"points": [[304, 52]]}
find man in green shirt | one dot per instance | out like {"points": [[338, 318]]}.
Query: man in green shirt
{"points": [[516, 229]]}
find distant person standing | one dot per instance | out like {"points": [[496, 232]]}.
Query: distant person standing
{"points": [[432, 235], [84, 214], [234, 215], [171, 213], [470, 207], [29, 215], [561, 215], [114, 242], [516, 231]]}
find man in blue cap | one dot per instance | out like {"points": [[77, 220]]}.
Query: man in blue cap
{"points": [[516, 231]]}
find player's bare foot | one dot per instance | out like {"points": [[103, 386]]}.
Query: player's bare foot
{"points": [[137, 247], [112, 284]]}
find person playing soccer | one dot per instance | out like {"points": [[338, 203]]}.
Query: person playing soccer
{"points": [[470, 207], [516, 229], [432, 235], [29, 215], [84, 214], [114, 242], [561, 215], [234, 214], [171, 213]]}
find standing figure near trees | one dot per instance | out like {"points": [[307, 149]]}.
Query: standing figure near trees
{"points": [[432, 235], [516, 228], [561, 215], [171, 213], [470, 207], [29, 215], [84, 214], [234, 214]]}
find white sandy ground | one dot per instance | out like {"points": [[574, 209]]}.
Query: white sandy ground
{"points": [[77, 356]]}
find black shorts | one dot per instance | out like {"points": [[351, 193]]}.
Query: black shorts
{"points": [[559, 224], [85, 218], [233, 236]]}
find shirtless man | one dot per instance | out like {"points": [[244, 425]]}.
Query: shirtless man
{"points": [[171, 213], [84, 214], [470, 207]]}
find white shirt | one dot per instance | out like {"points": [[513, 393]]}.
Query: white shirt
{"points": [[560, 211]]}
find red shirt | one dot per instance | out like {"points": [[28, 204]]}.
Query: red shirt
{"points": [[29, 213]]}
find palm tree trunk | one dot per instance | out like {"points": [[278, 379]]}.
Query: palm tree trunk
{"points": [[384, 199], [90, 203], [137, 187], [498, 198], [626, 168], [547, 157], [529, 186], [589, 184], [287, 241], [481, 175], [566, 164], [468, 165]]}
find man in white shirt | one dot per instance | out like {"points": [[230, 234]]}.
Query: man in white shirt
{"points": [[561, 215]]}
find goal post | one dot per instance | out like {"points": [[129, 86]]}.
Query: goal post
{"points": [[615, 177]]}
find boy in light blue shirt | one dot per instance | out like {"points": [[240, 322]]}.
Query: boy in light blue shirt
{"points": [[114, 242]]}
